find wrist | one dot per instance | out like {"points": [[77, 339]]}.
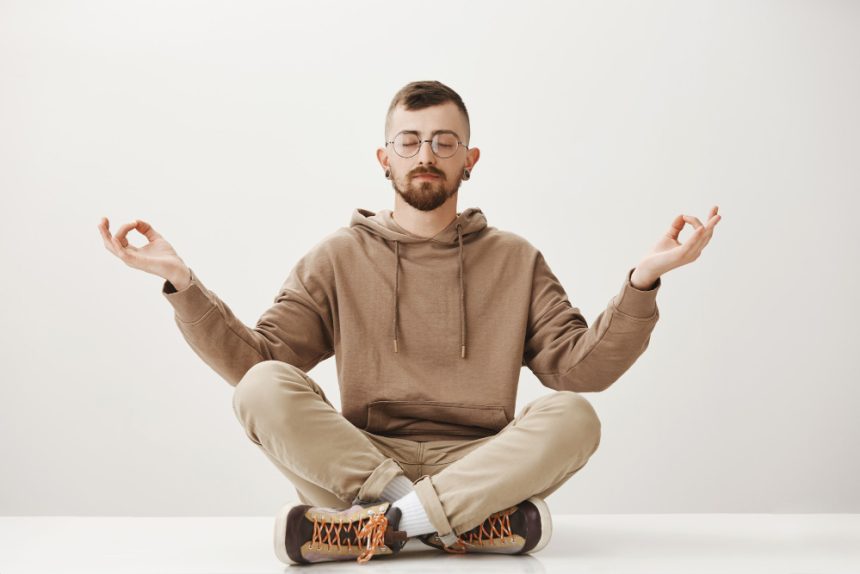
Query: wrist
{"points": [[643, 280], [181, 277]]}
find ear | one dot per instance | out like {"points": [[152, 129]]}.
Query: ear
{"points": [[472, 157], [382, 157]]}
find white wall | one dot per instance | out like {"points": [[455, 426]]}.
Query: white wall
{"points": [[598, 122]]}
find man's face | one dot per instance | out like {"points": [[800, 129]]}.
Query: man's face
{"points": [[424, 180]]}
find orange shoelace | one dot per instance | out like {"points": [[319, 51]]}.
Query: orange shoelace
{"points": [[371, 529], [496, 527]]}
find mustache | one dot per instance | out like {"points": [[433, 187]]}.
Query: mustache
{"points": [[427, 171]]}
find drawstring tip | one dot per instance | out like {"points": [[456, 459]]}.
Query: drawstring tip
{"points": [[395, 345], [463, 352]]}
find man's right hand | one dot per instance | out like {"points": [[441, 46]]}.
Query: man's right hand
{"points": [[156, 257]]}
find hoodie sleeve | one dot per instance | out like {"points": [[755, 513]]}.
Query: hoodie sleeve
{"points": [[297, 329], [565, 353]]}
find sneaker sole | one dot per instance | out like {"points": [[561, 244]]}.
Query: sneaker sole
{"points": [[280, 534], [545, 524]]}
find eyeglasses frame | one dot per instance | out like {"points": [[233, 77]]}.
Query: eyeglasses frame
{"points": [[421, 143]]}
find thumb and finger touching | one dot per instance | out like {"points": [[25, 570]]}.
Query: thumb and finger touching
{"points": [[119, 243]]}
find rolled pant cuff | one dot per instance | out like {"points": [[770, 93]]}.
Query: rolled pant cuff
{"points": [[433, 507], [371, 490]]}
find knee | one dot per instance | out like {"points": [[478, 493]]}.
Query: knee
{"points": [[262, 386], [577, 417]]}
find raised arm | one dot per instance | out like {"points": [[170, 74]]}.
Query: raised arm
{"points": [[565, 353], [296, 329]]}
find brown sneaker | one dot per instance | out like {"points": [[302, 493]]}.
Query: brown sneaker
{"points": [[307, 534], [521, 529]]}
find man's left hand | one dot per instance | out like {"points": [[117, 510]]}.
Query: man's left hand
{"points": [[668, 253]]}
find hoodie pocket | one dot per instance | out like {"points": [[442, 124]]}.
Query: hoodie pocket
{"points": [[435, 417]]}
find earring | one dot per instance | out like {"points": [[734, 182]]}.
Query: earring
{"points": [[387, 174], [466, 174]]}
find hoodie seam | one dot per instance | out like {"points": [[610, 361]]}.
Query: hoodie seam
{"points": [[588, 354], [229, 326], [602, 338], [202, 317], [317, 360], [651, 317], [445, 403]]}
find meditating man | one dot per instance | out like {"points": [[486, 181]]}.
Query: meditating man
{"points": [[431, 314]]}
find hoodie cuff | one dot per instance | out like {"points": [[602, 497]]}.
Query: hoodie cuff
{"points": [[641, 303], [190, 303]]}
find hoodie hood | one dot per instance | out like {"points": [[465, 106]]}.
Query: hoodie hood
{"points": [[470, 221]]}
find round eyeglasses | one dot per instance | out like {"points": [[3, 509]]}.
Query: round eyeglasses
{"points": [[443, 144]]}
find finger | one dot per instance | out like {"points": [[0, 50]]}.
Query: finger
{"points": [[123, 231], [712, 223], [120, 251], [714, 212], [106, 236], [103, 228], [147, 230], [694, 221], [706, 232], [694, 241], [675, 228]]}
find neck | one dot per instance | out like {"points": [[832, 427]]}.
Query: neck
{"points": [[424, 223]]}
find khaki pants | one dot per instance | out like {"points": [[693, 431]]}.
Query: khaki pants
{"points": [[460, 483]]}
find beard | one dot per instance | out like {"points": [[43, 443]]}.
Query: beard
{"points": [[425, 194]]}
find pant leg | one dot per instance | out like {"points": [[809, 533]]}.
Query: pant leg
{"points": [[328, 460], [551, 439], [406, 452]]}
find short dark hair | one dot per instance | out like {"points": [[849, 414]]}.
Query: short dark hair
{"points": [[424, 94]]}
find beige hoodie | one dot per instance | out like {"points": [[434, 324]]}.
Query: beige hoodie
{"points": [[429, 334]]}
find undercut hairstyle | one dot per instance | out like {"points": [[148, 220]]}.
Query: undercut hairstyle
{"points": [[423, 94]]}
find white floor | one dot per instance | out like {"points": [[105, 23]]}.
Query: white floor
{"points": [[662, 543]]}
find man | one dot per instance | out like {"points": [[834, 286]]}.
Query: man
{"points": [[431, 314]]}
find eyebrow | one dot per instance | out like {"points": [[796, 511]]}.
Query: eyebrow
{"points": [[433, 133]]}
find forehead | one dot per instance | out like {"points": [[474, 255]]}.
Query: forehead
{"points": [[428, 120]]}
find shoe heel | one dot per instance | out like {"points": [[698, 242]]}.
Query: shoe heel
{"points": [[280, 533], [545, 523]]}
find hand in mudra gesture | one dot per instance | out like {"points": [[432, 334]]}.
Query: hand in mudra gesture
{"points": [[157, 256], [668, 253]]}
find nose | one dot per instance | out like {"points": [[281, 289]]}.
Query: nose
{"points": [[425, 154]]}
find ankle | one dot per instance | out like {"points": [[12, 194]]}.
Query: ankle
{"points": [[397, 488]]}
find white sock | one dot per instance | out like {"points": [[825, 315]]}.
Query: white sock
{"points": [[414, 519], [396, 488]]}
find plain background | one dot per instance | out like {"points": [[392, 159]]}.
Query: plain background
{"points": [[244, 132]]}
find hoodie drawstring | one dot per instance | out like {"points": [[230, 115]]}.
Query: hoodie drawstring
{"points": [[462, 292], [462, 298], [396, 277]]}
